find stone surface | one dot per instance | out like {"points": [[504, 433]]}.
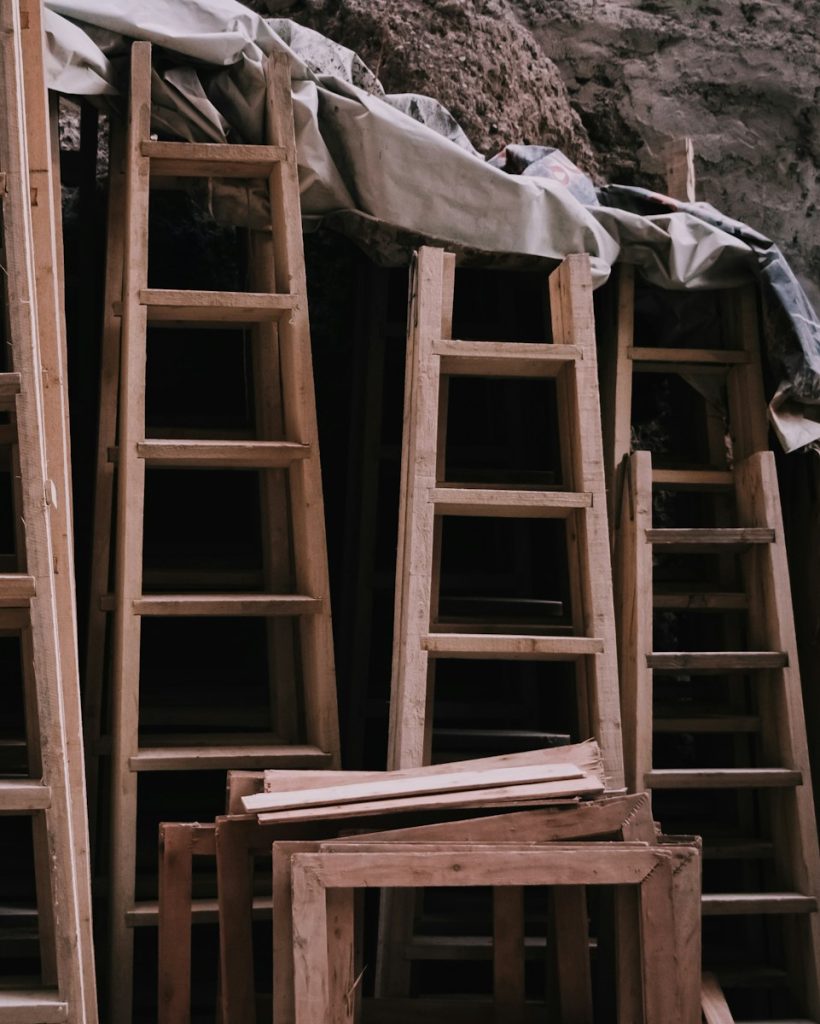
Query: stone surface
{"points": [[743, 79]]}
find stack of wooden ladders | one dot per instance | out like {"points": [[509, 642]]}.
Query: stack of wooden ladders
{"points": [[420, 638], [46, 785], [286, 439], [746, 695]]}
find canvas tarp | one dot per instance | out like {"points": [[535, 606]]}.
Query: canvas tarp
{"points": [[395, 171]]}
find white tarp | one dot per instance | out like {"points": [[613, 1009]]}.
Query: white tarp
{"points": [[398, 167]]}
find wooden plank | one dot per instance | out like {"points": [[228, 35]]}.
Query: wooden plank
{"points": [[174, 935], [722, 778], [202, 307], [713, 904], [32, 1006], [211, 160], [9, 389], [498, 501], [679, 158], [701, 539], [226, 604], [503, 358], [508, 950], [222, 454], [542, 792], [16, 589], [514, 647], [713, 1002], [20, 795], [692, 479], [390, 787], [673, 357], [716, 661], [691, 600], [248, 756]]}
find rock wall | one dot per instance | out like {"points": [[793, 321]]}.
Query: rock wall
{"points": [[611, 81]]}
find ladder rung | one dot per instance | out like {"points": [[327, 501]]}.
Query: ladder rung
{"points": [[21, 795], [203, 911], [723, 778], [32, 1006], [705, 540], [16, 589], [691, 600], [222, 454], [514, 647], [506, 502], [716, 661], [464, 947], [688, 356], [245, 756], [708, 723], [757, 903], [9, 389], [504, 359], [738, 849], [264, 605], [695, 479], [211, 160], [186, 307]]}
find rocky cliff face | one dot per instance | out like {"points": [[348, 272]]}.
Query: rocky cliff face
{"points": [[611, 81]]}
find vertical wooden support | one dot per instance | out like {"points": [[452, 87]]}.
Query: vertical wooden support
{"points": [[679, 157], [54, 794]]}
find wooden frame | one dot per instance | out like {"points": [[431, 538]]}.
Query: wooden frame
{"points": [[278, 314], [322, 905]]}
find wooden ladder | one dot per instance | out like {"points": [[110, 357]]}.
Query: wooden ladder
{"points": [[421, 637], [754, 698], [35, 607], [278, 315]]}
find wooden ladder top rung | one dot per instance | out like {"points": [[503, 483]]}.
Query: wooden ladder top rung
{"points": [[707, 723], [507, 502], [713, 904], [515, 647], [716, 661], [9, 389], [688, 357], [211, 160], [504, 358], [222, 454], [16, 589], [695, 600], [32, 1006], [264, 605], [21, 795], [723, 778], [203, 911], [709, 539], [180, 306], [224, 756], [692, 479]]}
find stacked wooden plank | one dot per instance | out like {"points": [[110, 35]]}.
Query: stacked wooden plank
{"points": [[412, 826]]}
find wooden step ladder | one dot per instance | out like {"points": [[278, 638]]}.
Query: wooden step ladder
{"points": [[277, 312], [35, 607], [766, 761], [420, 638]]}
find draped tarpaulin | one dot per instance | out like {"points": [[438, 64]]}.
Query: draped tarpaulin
{"points": [[395, 171]]}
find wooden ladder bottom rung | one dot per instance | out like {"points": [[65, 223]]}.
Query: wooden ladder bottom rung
{"points": [[722, 778], [700, 600], [701, 541], [204, 308], [183, 453], [506, 502], [203, 911], [193, 758], [726, 904], [226, 605], [32, 1006], [211, 160], [692, 479], [707, 723]]}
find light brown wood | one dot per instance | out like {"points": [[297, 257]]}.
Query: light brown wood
{"points": [[679, 158], [713, 1002], [211, 160], [222, 454]]}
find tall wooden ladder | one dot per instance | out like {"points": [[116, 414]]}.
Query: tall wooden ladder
{"points": [[711, 696], [422, 636], [42, 786], [278, 315]]}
